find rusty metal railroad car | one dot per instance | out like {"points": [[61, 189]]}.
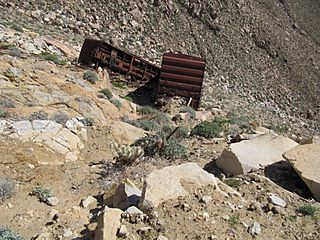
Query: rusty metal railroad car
{"points": [[105, 55], [180, 74]]}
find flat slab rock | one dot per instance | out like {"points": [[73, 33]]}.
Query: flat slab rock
{"points": [[261, 151], [165, 184], [305, 161], [108, 224]]}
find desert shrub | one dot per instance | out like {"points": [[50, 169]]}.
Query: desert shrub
{"points": [[60, 117], [5, 103], [107, 93], [11, 50], [209, 129], [234, 220], [166, 130], [233, 182], [87, 121], [40, 115], [149, 144], [147, 125], [42, 193], [6, 189], [161, 118], [116, 102], [188, 109], [8, 234], [279, 129], [173, 149], [307, 210], [53, 58], [242, 121], [146, 110], [119, 84], [91, 76], [180, 133], [16, 27], [128, 98], [3, 113]]}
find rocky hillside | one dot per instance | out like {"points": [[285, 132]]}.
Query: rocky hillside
{"points": [[263, 58], [79, 159]]}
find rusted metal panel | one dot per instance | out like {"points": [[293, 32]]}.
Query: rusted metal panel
{"points": [[105, 55], [181, 75]]}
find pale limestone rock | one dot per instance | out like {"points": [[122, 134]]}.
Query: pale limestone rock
{"points": [[108, 224], [88, 201], [126, 195], [125, 133], [165, 184], [261, 151], [305, 161]]}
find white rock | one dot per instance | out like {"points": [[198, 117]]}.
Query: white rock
{"points": [[255, 229], [88, 201], [126, 195], [52, 201], [261, 151], [162, 238], [305, 161], [108, 224], [162, 185], [276, 200], [133, 211]]}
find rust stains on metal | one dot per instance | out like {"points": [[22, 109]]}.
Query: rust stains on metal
{"points": [[105, 55], [181, 75]]}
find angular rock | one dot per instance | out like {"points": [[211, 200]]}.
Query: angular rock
{"points": [[65, 48], [261, 151], [88, 201], [276, 200], [123, 231], [165, 184], [126, 195], [52, 201], [108, 224], [255, 229], [305, 161]]}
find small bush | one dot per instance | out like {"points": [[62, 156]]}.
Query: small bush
{"points": [[6, 189], [307, 210], [88, 121], [209, 129], [6, 103], [91, 76], [147, 125], [53, 58], [60, 117], [118, 84], [242, 121], [3, 113], [161, 118], [42, 193], [181, 133], [173, 149], [40, 115], [116, 102], [107, 93], [234, 220], [16, 27], [128, 98], [149, 144], [233, 182], [146, 110], [166, 130], [188, 109], [8, 234], [12, 50]]}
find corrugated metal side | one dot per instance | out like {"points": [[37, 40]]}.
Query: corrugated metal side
{"points": [[181, 75], [106, 55]]}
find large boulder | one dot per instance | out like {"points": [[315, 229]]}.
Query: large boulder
{"points": [[261, 151], [306, 162], [108, 224], [165, 184]]}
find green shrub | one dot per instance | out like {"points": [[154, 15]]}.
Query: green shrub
{"points": [[16, 27], [3, 113], [40, 115], [60, 117], [188, 109], [233, 182], [147, 125], [12, 50], [42, 193], [8, 234], [207, 129], [6, 103], [234, 220], [242, 121], [307, 210], [173, 149], [53, 58], [181, 133], [146, 110], [161, 118], [116, 102], [91, 76], [128, 98], [107, 93], [119, 84], [87, 121], [6, 189], [166, 130], [149, 144]]}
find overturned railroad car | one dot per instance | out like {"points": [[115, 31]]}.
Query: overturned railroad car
{"points": [[180, 74]]}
